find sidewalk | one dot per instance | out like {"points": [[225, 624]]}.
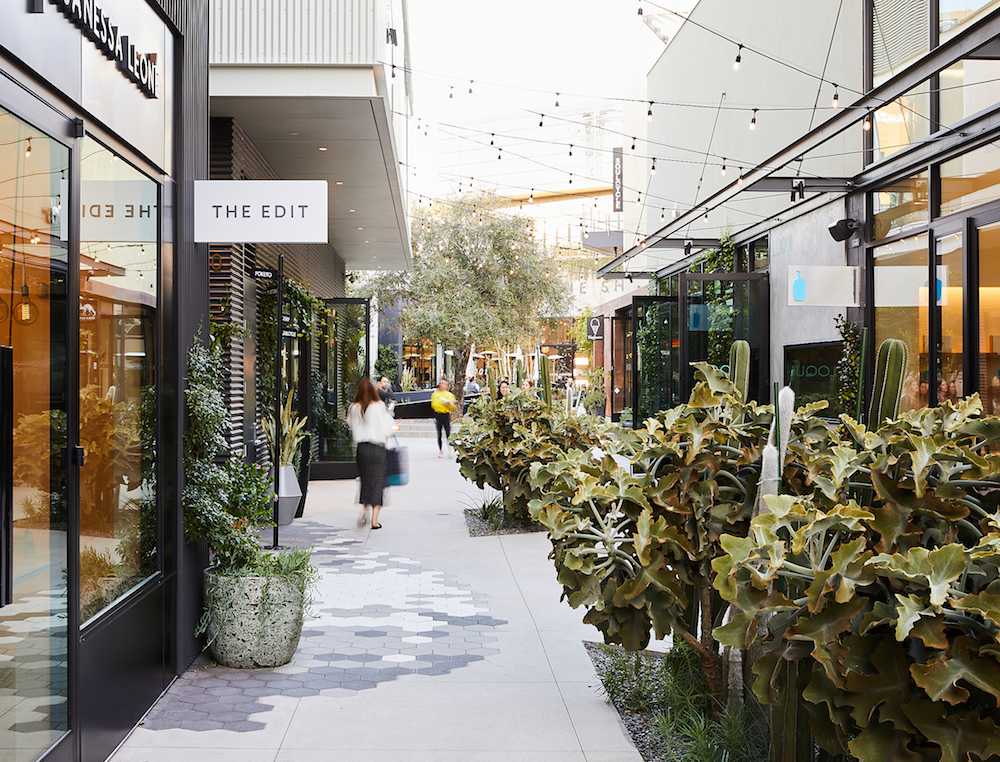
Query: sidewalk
{"points": [[424, 644]]}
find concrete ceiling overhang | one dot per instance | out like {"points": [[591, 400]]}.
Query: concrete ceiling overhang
{"points": [[292, 112]]}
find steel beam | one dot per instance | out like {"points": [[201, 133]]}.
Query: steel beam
{"points": [[979, 33], [808, 184], [683, 243]]}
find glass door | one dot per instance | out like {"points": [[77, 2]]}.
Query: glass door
{"points": [[35, 434], [717, 309], [656, 385], [987, 240]]}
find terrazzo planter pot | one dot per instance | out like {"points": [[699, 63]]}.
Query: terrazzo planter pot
{"points": [[289, 495], [255, 621]]}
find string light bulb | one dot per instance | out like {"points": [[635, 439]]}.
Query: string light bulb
{"points": [[499, 153], [492, 137], [531, 196], [541, 120], [663, 213], [394, 71], [451, 91], [570, 149], [739, 179], [722, 170], [652, 169], [836, 96], [649, 112], [470, 86], [866, 124], [557, 100], [25, 311], [739, 57], [27, 149], [640, 8], [570, 178], [753, 120], [633, 142]]}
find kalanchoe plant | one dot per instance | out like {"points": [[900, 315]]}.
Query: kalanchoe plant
{"points": [[501, 438], [880, 586]]}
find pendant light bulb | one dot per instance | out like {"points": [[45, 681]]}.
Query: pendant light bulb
{"points": [[753, 120], [739, 58]]}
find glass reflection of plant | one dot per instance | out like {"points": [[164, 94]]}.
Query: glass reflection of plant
{"points": [[350, 346], [652, 362]]}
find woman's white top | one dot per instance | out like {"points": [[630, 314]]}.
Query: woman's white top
{"points": [[374, 425]]}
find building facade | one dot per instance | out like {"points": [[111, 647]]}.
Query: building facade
{"points": [[848, 209], [103, 129]]}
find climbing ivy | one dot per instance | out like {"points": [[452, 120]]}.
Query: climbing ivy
{"points": [[849, 364]]}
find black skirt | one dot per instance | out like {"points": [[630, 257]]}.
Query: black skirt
{"points": [[371, 469]]}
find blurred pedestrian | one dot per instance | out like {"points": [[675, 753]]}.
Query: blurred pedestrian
{"points": [[443, 403], [503, 388], [371, 426]]}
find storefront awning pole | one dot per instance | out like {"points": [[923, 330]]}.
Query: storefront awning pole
{"points": [[278, 431]]}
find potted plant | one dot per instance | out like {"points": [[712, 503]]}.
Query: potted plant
{"points": [[255, 600], [292, 434]]}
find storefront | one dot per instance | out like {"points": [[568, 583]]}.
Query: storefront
{"points": [[97, 597]]}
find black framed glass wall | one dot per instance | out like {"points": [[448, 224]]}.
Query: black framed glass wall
{"points": [[932, 253]]}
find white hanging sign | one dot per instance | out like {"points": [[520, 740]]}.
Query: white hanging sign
{"points": [[822, 286], [260, 211]]}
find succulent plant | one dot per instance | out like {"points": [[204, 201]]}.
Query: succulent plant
{"points": [[887, 391], [739, 367]]}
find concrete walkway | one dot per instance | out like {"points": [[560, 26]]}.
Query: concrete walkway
{"points": [[423, 644]]}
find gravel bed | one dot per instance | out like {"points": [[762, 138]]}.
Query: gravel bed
{"points": [[641, 727], [479, 528]]}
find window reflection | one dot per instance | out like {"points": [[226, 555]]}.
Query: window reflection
{"points": [[118, 300], [900, 206], [970, 179], [953, 15], [900, 275], [950, 306], [989, 317]]}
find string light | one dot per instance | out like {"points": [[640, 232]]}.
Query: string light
{"points": [[470, 86], [722, 171], [663, 213], [595, 202], [394, 71], [541, 120], [570, 178], [753, 120], [451, 91], [652, 169], [866, 125], [739, 180], [531, 196], [640, 8], [633, 142], [499, 154], [492, 137], [557, 100], [649, 112], [739, 57], [27, 149], [570, 149], [836, 96]]}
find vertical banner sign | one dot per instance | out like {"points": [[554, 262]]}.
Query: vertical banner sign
{"points": [[617, 180]]}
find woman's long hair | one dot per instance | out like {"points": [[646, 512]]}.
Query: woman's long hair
{"points": [[367, 394]]}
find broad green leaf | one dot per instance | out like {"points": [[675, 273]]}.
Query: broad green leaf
{"points": [[986, 602], [908, 612], [882, 743], [939, 677], [958, 734], [939, 568]]}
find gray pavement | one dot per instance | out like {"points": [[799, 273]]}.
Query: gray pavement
{"points": [[422, 644]]}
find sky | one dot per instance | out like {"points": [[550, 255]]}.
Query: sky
{"points": [[516, 55]]}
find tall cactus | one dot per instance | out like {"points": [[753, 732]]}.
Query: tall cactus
{"points": [[546, 379], [739, 367], [492, 381], [887, 391]]}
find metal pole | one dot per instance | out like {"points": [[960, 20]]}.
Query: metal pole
{"points": [[278, 433]]}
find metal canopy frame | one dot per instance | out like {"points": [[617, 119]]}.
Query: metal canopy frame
{"points": [[979, 34]]}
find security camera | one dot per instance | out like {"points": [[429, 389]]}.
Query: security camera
{"points": [[841, 230]]}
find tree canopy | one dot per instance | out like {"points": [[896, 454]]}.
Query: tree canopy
{"points": [[478, 277]]}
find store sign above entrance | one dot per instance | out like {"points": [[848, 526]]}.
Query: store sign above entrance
{"points": [[260, 211], [113, 42], [822, 286]]}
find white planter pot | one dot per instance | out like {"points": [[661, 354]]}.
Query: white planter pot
{"points": [[253, 621], [289, 495]]}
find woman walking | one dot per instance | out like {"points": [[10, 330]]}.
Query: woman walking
{"points": [[371, 426], [443, 403]]}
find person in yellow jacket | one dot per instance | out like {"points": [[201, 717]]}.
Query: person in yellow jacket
{"points": [[443, 403]]}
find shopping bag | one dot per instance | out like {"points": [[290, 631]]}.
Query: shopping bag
{"points": [[397, 466]]}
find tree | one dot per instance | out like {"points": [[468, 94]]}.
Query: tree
{"points": [[479, 278]]}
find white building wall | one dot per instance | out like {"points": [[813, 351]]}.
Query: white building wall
{"points": [[802, 241]]}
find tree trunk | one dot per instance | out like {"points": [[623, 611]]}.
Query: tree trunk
{"points": [[458, 380]]}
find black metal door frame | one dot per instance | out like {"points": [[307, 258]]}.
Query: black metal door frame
{"points": [[759, 328], [643, 302]]}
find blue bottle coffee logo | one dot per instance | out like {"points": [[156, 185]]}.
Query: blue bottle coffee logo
{"points": [[799, 287]]}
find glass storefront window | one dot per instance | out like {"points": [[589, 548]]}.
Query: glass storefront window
{"points": [[901, 304], [119, 265], [955, 14], [989, 317], [970, 179], [34, 244], [951, 311], [900, 206], [968, 87], [902, 123]]}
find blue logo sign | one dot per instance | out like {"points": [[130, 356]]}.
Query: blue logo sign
{"points": [[799, 287]]}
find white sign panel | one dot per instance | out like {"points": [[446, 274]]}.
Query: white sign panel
{"points": [[822, 286], [906, 286], [260, 211]]}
